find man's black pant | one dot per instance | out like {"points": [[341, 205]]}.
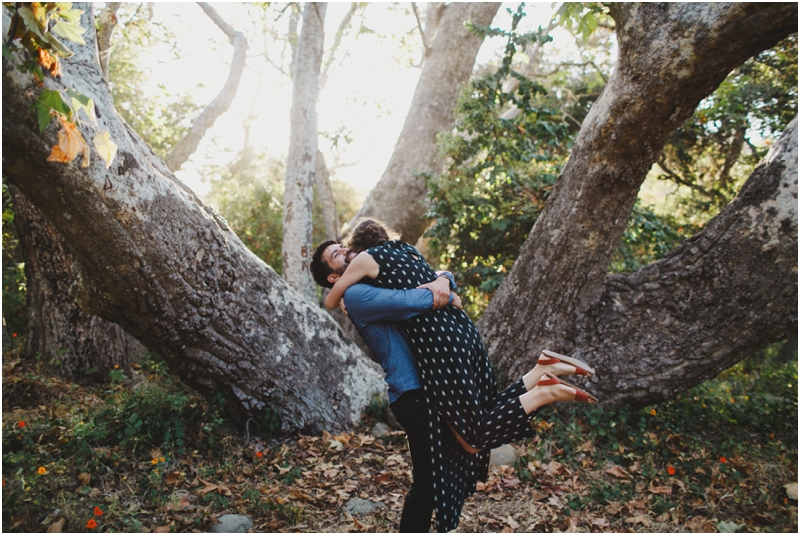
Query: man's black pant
{"points": [[411, 412]]}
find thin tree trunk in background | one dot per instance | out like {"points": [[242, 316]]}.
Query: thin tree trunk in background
{"points": [[70, 341], [221, 103], [400, 197], [301, 164], [106, 24], [330, 217]]}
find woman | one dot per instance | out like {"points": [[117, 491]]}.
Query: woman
{"points": [[457, 376]]}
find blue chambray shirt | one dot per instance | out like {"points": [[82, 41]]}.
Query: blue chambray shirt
{"points": [[375, 313]]}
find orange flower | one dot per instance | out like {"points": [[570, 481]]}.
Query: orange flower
{"points": [[259, 454], [154, 461], [723, 460], [653, 412], [14, 335], [671, 470], [98, 511], [21, 424], [91, 524], [42, 470], [162, 459]]}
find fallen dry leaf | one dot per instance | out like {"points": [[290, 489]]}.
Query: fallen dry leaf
{"points": [[617, 471], [659, 490], [57, 526], [638, 519], [698, 524], [511, 523], [84, 478]]}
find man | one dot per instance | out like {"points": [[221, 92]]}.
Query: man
{"points": [[375, 313]]}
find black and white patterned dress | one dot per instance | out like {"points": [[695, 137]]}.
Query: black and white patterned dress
{"points": [[459, 385]]}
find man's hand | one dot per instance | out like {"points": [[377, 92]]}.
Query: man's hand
{"points": [[440, 288], [456, 302]]}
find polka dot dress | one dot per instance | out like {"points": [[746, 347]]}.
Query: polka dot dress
{"points": [[459, 386]]}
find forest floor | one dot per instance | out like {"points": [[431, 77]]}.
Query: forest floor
{"points": [[151, 456]]}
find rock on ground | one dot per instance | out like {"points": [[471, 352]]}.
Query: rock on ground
{"points": [[380, 429], [360, 506], [232, 524], [503, 456]]}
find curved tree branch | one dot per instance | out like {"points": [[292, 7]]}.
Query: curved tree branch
{"points": [[221, 103]]}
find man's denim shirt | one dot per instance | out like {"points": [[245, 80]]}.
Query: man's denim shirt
{"points": [[375, 312]]}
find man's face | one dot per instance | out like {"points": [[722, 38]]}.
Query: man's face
{"points": [[338, 258]]}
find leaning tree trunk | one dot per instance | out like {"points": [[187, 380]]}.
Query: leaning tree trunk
{"points": [[150, 256], [59, 332], [558, 294], [400, 197]]}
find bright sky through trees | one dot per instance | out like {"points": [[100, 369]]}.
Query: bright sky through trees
{"points": [[370, 86]]}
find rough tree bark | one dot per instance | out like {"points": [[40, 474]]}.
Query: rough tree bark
{"points": [[558, 294], [301, 164], [188, 144], [62, 334], [150, 256], [399, 198]]}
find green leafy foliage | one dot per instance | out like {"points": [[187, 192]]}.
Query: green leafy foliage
{"points": [[15, 313], [499, 171], [581, 17], [648, 237], [715, 151]]}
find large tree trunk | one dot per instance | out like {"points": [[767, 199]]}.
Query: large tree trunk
{"points": [[221, 103], [558, 294], [64, 336], [59, 332], [301, 164], [400, 197], [150, 256]]}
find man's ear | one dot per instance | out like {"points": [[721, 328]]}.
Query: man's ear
{"points": [[333, 277]]}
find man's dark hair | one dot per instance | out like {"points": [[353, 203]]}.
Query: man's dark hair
{"points": [[319, 268]]}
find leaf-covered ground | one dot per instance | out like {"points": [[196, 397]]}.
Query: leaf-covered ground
{"points": [[79, 458]]}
